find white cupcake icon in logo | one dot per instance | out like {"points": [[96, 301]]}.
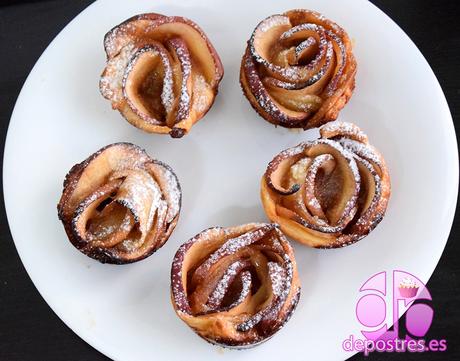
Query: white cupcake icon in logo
{"points": [[408, 288]]}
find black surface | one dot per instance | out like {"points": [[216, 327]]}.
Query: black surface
{"points": [[29, 330]]}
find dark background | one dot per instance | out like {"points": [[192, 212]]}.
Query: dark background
{"points": [[29, 330]]}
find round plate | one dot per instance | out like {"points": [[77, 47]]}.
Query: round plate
{"points": [[124, 311]]}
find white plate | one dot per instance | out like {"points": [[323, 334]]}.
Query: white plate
{"points": [[124, 311]]}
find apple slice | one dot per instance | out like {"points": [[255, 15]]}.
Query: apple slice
{"points": [[148, 82], [179, 118]]}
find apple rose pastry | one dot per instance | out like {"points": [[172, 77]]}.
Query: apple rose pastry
{"points": [[119, 205], [298, 70], [236, 286], [162, 73], [330, 192]]}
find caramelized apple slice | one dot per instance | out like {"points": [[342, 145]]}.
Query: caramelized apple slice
{"points": [[147, 84], [278, 168], [324, 165]]}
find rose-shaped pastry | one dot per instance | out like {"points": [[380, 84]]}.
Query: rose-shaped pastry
{"points": [[330, 192], [298, 70], [119, 205], [162, 73], [235, 286]]}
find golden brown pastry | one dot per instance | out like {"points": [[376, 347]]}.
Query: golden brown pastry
{"points": [[162, 73], [330, 192], [119, 205], [236, 286], [298, 70]]}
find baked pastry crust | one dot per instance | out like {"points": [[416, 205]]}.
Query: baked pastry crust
{"points": [[119, 205], [162, 73], [298, 70], [236, 286], [330, 192]]}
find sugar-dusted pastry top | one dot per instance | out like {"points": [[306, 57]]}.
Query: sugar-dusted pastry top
{"points": [[298, 70], [119, 205], [330, 192], [235, 286], [162, 73]]}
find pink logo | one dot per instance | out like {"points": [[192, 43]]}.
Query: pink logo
{"points": [[384, 299]]}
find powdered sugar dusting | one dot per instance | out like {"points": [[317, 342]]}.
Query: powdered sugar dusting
{"points": [[277, 278], [186, 67], [111, 81], [245, 289], [201, 101], [363, 150], [172, 192], [304, 45], [118, 37], [273, 21], [100, 232], [281, 281], [167, 94], [142, 196], [302, 27], [344, 129], [235, 244], [216, 297]]}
